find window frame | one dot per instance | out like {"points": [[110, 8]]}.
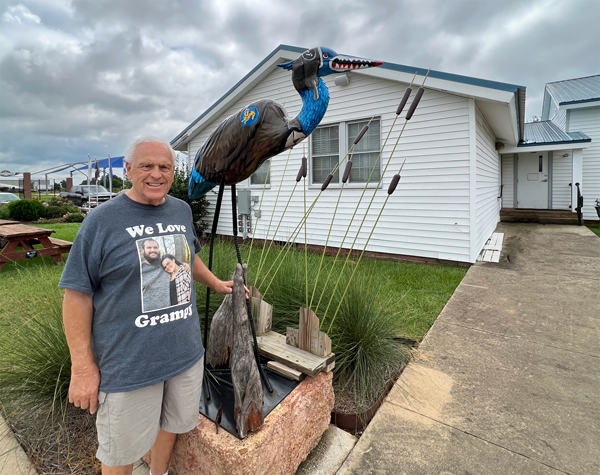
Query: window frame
{"points": [[343, 148]]}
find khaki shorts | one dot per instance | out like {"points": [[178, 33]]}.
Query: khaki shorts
{"points": [[129, 422]]}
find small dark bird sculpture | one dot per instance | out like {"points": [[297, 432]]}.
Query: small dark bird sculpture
{"points": [[243, 141]]}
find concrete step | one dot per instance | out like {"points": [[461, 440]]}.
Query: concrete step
{"points": [[329, 455]]}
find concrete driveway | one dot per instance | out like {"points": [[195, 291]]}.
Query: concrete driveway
{"points": [[507, 381]]}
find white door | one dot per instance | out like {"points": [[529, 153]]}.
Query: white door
{"points": [[532, 180]]}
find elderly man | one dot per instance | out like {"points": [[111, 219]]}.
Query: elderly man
{"points": [[141, 368]]}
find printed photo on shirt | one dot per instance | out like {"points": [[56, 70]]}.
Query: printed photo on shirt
{"points": [[166, 279]]}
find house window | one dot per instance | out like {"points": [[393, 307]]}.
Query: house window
{"points": [[325, 152], [328, 150], [259, 176], [365, 152]]}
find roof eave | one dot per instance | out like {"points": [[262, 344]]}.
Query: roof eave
{"points": [[548, 146]]}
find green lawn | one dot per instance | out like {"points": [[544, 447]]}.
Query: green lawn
{"points": [[595, 228], [381, 302], [418, 292]]}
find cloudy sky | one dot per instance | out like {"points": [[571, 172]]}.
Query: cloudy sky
{"points": [[90, 76]]}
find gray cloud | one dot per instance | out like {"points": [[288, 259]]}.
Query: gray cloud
{"points": [[84, 76]]}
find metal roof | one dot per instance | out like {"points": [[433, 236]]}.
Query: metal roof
{"points": [[386, 65], [574, 91], [547, 132]]}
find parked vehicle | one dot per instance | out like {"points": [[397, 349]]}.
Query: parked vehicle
{"points": [[87, 195], [8, 197]]}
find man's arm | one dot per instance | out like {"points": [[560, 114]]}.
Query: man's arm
{"points": [[78, 312], [207, 278]]}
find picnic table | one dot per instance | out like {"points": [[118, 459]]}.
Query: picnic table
{"points": [[7, 221], [25, 236]]}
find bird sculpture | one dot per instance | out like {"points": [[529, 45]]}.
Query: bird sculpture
{"points": [[243, 141]]}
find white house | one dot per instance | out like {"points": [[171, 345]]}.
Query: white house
{"points": [[561, 150], [448, 201]]}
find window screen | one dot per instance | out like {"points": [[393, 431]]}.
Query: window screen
{"points": [[258, 177], [365, 152]]}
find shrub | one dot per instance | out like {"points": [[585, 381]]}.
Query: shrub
{"points": [[26, 210], [4, 212], [53, 212], [54, 201], [74, 217], [199, 207]]}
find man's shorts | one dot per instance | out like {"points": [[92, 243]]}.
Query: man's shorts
{"points": [[129, 422]]}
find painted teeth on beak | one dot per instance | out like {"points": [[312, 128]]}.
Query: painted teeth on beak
{"points": [[341, 63]]}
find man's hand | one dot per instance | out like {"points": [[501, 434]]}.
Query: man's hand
{"points": [[78, 313], [83, 391], [225, 288]]}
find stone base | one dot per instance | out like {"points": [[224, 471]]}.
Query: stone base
{"points": [[288, 435]]}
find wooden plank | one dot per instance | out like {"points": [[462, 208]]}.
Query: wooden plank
{"points": [[262, 315], [23, 230], [324, 346], [273, 346], [254, 292], [291, 336], [495, 256], [308, 331], [60, 242], [286, 370]]}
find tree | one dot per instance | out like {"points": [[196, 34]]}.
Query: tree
{"points": [[117, 182], [199, 206]]}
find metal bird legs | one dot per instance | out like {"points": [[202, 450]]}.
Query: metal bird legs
{"points": [[218, 403]]}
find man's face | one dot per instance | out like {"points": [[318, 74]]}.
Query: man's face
{"points": [[151, 251], [151, 173]]}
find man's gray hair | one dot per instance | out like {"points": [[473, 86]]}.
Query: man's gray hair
{"points": [[131, 150]]}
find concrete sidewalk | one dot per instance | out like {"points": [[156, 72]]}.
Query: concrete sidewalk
{"points": [[507, 381]]}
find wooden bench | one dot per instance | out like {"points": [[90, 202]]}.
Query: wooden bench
{"points": [[61, 243]]}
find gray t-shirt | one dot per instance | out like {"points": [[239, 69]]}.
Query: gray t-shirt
{"points": [[121, 255]]}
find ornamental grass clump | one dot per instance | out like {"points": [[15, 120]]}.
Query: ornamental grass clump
{"points": [[35, 365], [364, 340], [35, 370]]}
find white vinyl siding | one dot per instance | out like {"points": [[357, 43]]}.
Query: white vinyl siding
{"points": [[556, 115], [487, 182], [588, 121], [562, 175], [427, 216], [508, 180]]}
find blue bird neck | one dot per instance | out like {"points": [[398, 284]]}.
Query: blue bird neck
{"points": [[313, 111]]}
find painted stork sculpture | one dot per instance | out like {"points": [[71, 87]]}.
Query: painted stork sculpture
{"points": [[233, 152], [238, 147]]}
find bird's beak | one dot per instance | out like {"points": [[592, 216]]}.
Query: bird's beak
{"points": [[347, 63]]}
